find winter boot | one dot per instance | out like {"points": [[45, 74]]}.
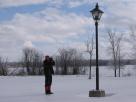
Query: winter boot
{"points": [[50, 90], [47, 91]]}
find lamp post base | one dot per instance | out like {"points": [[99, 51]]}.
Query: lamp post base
{"points": [[96, 93]]}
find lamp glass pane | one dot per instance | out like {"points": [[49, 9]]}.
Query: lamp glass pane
{"points": [[96, 15]]}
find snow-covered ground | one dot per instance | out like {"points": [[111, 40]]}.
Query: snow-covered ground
{"points": [[66, 89]]}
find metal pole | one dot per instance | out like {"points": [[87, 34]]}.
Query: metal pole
{"points": [[97, 61]]}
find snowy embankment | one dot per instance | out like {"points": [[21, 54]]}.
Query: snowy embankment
{"points": [[66, 89]]}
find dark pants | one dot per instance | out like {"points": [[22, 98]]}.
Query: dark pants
{"points": [[48, 82]]}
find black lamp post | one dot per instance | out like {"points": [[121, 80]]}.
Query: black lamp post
{"points": [[97, 13]]}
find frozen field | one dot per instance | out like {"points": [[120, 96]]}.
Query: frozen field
{"points": [[66, 89]]}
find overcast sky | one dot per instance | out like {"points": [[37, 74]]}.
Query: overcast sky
{"points": [[51, 24]]}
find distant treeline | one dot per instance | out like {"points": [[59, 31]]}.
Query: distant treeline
{"points": [[109, 62], [85, 63]]}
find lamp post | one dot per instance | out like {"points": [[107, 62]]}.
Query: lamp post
{"points": [[97, 13]]}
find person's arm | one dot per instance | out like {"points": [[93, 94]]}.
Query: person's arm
{"points": [[52, 70], [45, 64], [53, 62]]}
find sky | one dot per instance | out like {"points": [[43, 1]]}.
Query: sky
{"points": [[48, 25]]}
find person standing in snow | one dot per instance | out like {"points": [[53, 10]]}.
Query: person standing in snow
{"points": [[48, 71]]}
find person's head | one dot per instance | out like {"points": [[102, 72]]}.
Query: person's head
{"points": [[47, 57]]}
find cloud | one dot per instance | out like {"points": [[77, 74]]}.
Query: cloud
{"points": [[76, 3], [28, 44], [53, 3], [12, 3], [51, 26], [17, 3], [118, 14]]}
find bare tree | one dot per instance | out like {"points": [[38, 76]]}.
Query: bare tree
{"points": [[3, 66], [32, 61], [69, 61], [76, 61], [133, 39], [57, 64], [37, 63], [89, 49], [65, 58], [115, 47]]}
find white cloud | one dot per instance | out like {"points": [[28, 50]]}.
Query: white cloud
{"points": [[51, 26], [53, 3], [10, 3], [76, 3], [28, 44], [17, 3], [118, 14]]}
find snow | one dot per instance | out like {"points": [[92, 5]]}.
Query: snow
{"points": [[66, 89]]}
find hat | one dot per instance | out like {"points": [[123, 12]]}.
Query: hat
{"points": [[46, 56]]}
